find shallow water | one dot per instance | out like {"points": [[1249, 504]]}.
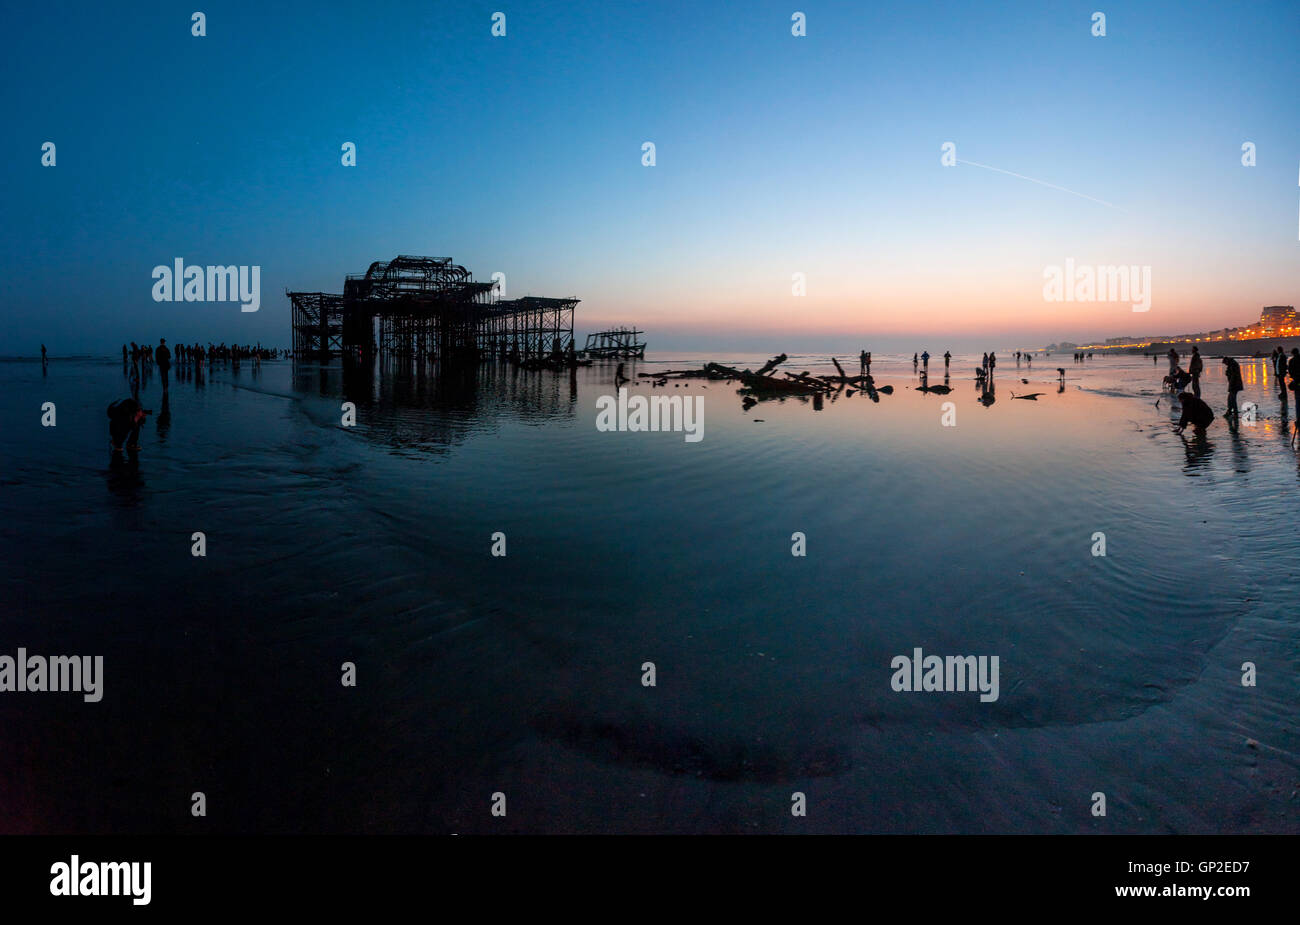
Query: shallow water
{"points": [[522, 674]]}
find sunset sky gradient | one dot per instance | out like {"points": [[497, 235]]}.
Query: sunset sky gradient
{"points": [[775, 155]]}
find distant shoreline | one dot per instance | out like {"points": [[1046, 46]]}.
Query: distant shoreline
{"points": [[1212, 348], [1242, 348]]}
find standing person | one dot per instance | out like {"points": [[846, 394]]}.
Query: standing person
{"points": [[1293, 370], [124, 355], [1279, 370], [993, 362], [914, 362], [947, 359], [1155, 360], [984, 363], [925, 360], [1196, 366], [1029, 359], [1173, 361], [862, 363], [43, 360], [868, 362], [164, 357], [1235, 385]]}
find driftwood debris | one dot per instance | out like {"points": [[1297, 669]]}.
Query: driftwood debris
{"points": [[762, 382], [765, 382], [771, 365]]}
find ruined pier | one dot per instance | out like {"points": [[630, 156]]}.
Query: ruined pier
{"points": [[426, 308]]}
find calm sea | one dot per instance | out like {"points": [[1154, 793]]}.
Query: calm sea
{"points": [[523, 674]]}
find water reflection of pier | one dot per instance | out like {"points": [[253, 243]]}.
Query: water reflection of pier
{"points": [[430, 407]]}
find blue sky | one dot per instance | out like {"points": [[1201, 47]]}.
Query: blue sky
{"points": [[775, 155]]}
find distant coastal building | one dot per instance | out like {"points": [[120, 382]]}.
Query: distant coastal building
{"points": [[1277, 320], [1274, 321]]}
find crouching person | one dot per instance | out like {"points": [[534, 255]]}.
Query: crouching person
{"points": [[1195, 412], [125, 417]]}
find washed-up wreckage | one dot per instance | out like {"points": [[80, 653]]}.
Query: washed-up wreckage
{"points": [[765, 383]]}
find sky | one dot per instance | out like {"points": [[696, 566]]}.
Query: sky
{"points": [[775, 155]]}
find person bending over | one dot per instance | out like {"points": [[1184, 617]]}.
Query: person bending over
{"points": [[1195, 412], [125, 416]]}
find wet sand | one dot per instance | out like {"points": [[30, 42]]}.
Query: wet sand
{"points": [[479, 674]]}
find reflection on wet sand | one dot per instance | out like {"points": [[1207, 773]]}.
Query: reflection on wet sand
{"points": [[423, 407], [481, 673], [1198, 449]]}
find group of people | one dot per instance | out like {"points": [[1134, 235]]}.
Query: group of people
{"points": [[1195, 411], [141, 357], [1080, 357], [923, 361], [126, 415], [196, 353]]}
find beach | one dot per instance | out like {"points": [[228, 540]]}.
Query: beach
{"points": [[522, 674]]}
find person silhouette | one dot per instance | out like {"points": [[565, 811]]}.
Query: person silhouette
{"points": [[163, 356], [125, 417], [1195, 412], [1233, 371], [1196, 366]]}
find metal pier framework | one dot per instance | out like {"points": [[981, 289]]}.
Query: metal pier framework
{"points": [[616, 342], [426, 308]]}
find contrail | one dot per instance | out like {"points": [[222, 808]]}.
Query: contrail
{"points": [[1040, 183]]}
